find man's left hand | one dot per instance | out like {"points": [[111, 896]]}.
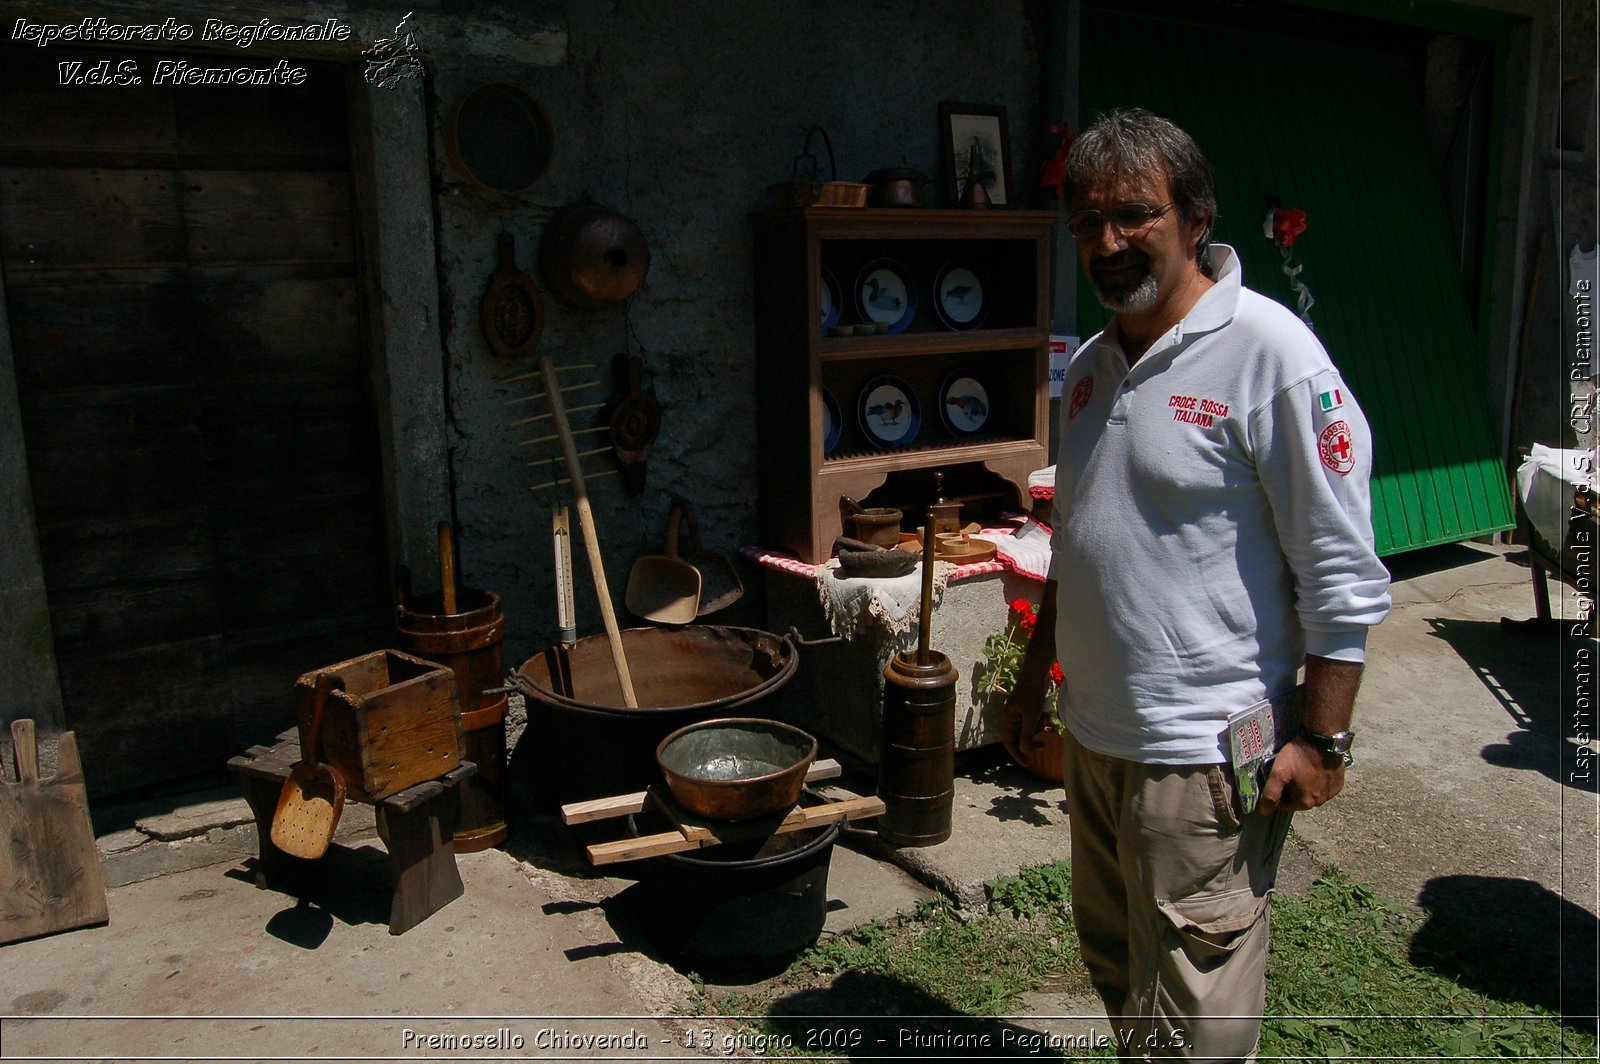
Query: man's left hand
{"points": [[1300, 779]]}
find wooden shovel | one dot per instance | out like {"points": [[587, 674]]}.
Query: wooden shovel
{"points": [[313, 796]]}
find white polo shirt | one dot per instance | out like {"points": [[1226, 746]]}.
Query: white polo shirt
{"points": [[1213, 525]]}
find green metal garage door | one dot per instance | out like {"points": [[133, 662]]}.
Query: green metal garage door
{"points": [[1337, 130]]}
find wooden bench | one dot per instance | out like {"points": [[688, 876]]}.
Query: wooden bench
{"points": [[416, 827]]}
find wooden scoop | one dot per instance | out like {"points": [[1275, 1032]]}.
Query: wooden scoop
{"points": [[313, 795], [665, 589]]}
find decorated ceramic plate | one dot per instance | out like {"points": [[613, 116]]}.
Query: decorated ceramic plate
{"points": [[960, 297], [886, 293], [888, 412], [832, 423], [828, 297], [963, 404]]}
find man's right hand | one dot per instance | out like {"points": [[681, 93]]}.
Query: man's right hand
{"points": [[1022, 724]]}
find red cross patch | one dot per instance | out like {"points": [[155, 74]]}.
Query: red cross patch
{"points": [[1337, 448], [1080, 397]]}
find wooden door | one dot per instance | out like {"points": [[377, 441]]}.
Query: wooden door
{"points": [[180, 271]]}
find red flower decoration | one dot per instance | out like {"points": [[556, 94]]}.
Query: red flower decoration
{"points": [[1053, 174], [1287, 225], [1057, 677]]}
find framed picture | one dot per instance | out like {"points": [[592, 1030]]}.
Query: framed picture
{"points": [[963, 126]]}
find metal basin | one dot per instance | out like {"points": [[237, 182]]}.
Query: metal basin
{"points": [[736, 767]]}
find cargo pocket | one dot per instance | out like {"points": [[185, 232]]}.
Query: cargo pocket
{"points": [[1212, 926], [1224, 797]]}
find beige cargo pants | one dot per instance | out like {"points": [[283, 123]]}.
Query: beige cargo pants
{"points": [[1170, 896]]}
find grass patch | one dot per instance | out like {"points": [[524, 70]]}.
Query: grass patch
{"points": [[1341, 984]]}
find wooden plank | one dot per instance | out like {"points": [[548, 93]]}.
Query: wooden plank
{"points": [[289, 126], [49, 865], [258, 327], [799, 819], [255, 216], [72, 216], [628, 804], [41, 114], [150, 714], [74, 334]]}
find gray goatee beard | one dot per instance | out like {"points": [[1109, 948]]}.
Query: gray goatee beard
{"points": [[1141, 297]]}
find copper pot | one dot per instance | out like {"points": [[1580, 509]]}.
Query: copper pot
{"points": [[897, 187], [734, 768], [592, 257]]}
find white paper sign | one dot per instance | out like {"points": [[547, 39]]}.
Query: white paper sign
{"points": [[1061, 349]]}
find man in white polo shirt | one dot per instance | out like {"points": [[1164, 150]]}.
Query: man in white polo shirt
{"points": [[1213, 537]]}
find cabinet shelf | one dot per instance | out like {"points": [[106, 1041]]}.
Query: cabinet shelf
{"points": [[1008, 356], [918, 344]]}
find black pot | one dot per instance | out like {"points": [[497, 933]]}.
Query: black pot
{"points": [[896, 187], [738, 903]]}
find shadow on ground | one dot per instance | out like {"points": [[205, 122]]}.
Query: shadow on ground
{"points": [[1511, 939], [1540, 681], [349, 884], [864, 1016]]}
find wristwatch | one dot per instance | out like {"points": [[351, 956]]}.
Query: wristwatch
{"points": [[1332, 746]]}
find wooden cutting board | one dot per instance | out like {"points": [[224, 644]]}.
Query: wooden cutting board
{"points": [[49, 865]]}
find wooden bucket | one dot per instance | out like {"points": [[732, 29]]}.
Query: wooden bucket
{"points": [[468, 642], [916, 772]]}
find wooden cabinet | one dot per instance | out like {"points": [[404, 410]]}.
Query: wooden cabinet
{"points": [[805, 259]]}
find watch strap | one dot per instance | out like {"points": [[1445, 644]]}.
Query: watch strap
{"points": [[1332, 746]]}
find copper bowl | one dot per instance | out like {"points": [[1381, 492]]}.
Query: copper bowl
{"points": [[735, 768]]}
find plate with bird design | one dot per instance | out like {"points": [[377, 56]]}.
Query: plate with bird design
{"points": [[888, 412], [886, 293], [829, 303], [963, 404], [960, 297], [832, 422]]}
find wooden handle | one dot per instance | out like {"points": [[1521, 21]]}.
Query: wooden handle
{"points": [[591, 542], [673, 524], [447, 567], [326, 682], [925, 621], [24, 751]]}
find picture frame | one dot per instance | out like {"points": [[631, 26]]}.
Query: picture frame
{"points": [[960, 126]]}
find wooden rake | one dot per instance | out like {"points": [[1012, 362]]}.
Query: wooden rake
{"points": [[553, 390]]}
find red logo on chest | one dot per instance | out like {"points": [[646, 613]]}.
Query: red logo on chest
{"points": [[1337, 449], [1080, 397]]}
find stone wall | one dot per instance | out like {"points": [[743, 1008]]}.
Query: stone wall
{"points": [[679, 116]]}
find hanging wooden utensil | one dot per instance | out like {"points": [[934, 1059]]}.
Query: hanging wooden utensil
{"points": [[720, 586], [313, 796], [663, 588], [511, 312], [635, 421]]}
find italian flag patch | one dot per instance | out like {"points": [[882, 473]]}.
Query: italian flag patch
{"points": [[1330, 400]]}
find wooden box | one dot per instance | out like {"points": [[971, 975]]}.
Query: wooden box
{"points": [[395, 724]]}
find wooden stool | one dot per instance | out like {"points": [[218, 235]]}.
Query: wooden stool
{"points": [[415, 825]]}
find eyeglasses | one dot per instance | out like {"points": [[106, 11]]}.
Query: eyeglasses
{"points": [[1125, 218]]}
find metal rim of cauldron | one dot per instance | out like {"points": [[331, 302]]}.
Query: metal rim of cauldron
{"points": [[748, 796], [783, 675]]}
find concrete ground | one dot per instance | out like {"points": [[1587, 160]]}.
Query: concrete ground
{"points": [[1465, 804]]}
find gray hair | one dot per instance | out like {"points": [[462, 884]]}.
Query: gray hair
{"points": [[1133, 141]]}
